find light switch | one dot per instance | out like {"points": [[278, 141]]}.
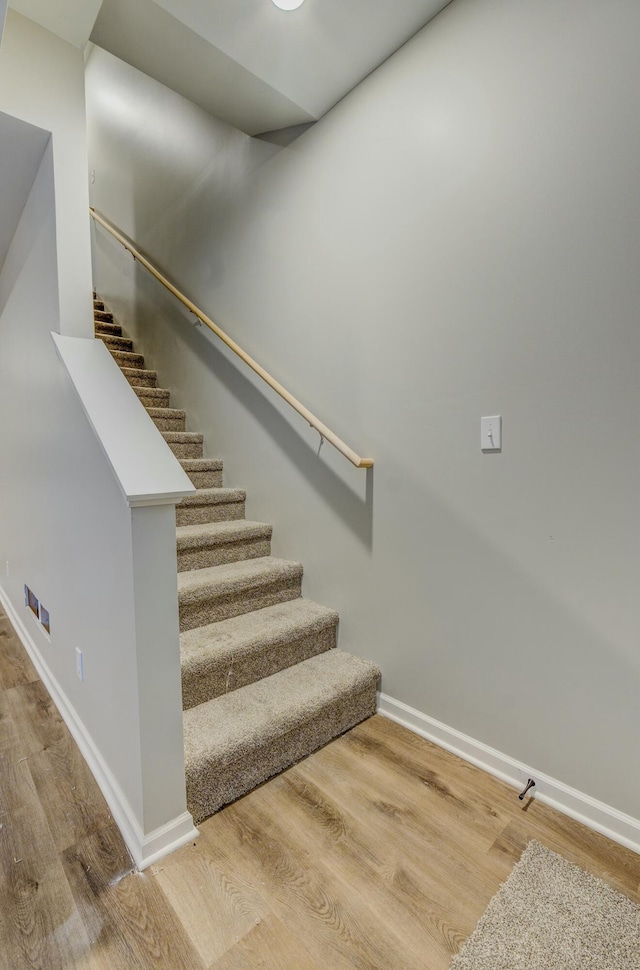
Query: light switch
{"points": [[491, 433]]}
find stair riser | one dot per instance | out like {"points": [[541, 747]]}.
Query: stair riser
{"points": [[169, 424], [219, 555], [187, 449], [140, 378], [153, 401], [128, 360], [199, 514], [98, 305], [108, 329], [207, 681], [103, 316], [116, 343], [213, 608], [210, 789], [206, 479]]}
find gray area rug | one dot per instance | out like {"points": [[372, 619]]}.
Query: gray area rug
{"points": [[551, 915]]}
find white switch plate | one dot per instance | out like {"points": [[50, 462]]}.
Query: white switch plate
{"points": [[491, 433], [79, 664]]}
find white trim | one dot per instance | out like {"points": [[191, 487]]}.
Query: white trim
{"points": [[159, 843], [168, 498], [576, 804], [144, 848]]}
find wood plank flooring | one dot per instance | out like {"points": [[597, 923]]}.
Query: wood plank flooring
{"points": [[380, 851]]}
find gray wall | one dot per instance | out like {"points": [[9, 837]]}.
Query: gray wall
{"points": [[458, 237]]}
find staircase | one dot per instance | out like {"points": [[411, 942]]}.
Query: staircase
{"points": [[262, 683]]}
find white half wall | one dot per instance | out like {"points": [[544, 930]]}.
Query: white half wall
{"points": [[459, 237], [42, 82], [104, 571]]}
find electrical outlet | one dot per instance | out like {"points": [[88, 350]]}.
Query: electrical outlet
{"points": [[79, 664]]}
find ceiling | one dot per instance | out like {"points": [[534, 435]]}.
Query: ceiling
{"points": [[72, 20], [22, 148], [245, 61]]}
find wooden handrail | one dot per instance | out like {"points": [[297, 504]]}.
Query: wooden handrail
{"points": [[324, 432]]}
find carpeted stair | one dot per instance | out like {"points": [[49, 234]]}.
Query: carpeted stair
{"points": [[262, 683]]}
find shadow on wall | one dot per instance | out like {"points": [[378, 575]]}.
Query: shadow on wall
{"points": [[354, 509]]}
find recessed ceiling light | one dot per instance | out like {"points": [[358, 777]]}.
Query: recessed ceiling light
{"points": [[288, 4]]}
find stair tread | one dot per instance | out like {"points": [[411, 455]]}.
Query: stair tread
{"points": [[178, 437], [152, 391], [235, 576], [272, 624], [107, 329], [213, 496], [201, 464], [125, 357], [203, 472], [160, 401], [230, 654], [229, 727], [210, 533], [138, 372], [166, 413], [116, 342]]}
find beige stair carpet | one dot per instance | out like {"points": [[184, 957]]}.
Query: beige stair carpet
{"points": [[216, 543], [262, 683], [232, 653], [219, 592], [284, 717]]}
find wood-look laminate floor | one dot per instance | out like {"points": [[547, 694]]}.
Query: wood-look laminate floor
{"points": [[380, 851]]}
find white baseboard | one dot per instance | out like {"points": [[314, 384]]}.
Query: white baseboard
{"points": [[145, 848], [159, 843], [592, 813]]}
